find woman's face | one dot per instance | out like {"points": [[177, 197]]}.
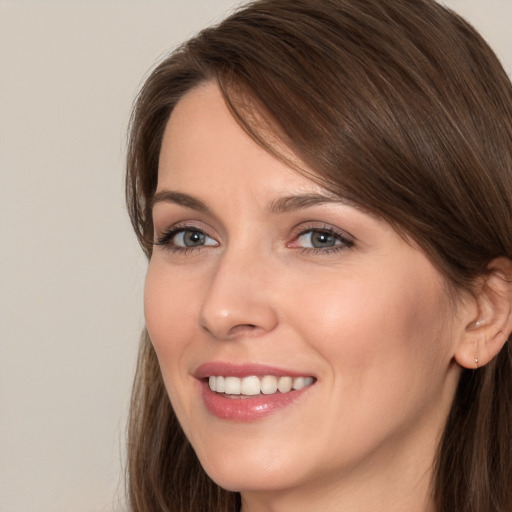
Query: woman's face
{"points": [[263, 278]]}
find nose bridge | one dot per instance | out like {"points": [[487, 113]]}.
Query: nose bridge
{"points": [[237, 300]]}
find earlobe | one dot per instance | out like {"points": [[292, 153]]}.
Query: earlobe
{"points": [[485, 336]]}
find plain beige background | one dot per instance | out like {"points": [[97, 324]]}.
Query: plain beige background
{"points": [[71, 271]]}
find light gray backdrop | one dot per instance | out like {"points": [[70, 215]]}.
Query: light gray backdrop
{"points": [[71, 271]]}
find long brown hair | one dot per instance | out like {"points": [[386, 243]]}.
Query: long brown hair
{"points": [[399, 106]]}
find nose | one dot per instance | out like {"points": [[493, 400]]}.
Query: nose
{"points": [[238, 300]]}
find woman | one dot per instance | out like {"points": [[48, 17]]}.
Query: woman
{"points": [[323, 189]]}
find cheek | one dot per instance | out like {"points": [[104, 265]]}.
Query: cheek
{"points": [[386, 357], [378, 323], [168, 310], [158, 307], [167, 302]]}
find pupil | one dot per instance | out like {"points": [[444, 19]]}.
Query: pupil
{"points": [[322, 240], [193, 238]]}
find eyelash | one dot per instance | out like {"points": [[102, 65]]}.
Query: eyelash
{"points": [[165, 240], [346, 242]]}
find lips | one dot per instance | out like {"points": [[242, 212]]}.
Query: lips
{"points": [[249, 392]]}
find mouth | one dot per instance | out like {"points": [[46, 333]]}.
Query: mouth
{"points": [[254, 385], [250, 392]]}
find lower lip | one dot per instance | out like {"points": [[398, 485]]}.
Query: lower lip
{"points": [[247, 408]]}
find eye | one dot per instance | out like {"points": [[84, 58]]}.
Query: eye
{"points": [[190, 238], [185, 238], [321, 240], [318, 239]]}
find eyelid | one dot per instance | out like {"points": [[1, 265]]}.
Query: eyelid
{"points": [[164, 238], [346, 239]]}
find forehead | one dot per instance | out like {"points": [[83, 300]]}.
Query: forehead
{"points": [[204, 146]]}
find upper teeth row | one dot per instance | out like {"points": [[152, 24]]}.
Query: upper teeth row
{"points": [[253, 385]]}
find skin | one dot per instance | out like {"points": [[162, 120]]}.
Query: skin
{"points": [[369, 319]]}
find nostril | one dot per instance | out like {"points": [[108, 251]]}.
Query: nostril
{"points": [[251, 330], [245, 330]]}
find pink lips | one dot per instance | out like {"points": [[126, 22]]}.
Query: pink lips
{"points": [[247, 408], [242, 370]]}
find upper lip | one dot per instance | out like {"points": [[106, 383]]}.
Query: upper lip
{"points": [[244, 370]]}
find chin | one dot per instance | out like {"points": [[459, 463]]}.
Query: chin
{"points": [[247, 470]]}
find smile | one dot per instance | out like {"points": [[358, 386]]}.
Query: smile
{"points": [[254, 385]]}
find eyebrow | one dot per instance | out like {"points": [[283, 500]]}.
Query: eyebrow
{"points": [[280, 205], [181, 199], [299, 202]]}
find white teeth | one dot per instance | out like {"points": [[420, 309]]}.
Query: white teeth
{"points": [[232, 385], [268, 385], [220, 384], [298, 382], [284, 384], [253, 385], [250, 386]]}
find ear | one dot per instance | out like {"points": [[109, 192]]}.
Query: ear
{"points": [[489, 328]]}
